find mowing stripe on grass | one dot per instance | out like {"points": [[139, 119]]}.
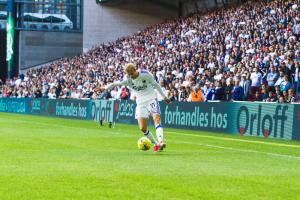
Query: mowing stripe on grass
{"points": [[234, 140], [239, 150], [177, 133], [191, 135], [227, 148]]}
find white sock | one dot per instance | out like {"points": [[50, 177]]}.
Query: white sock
{"points": [[149, 135], [159, 133]]}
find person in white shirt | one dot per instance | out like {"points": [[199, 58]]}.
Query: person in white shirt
{"points": [[256, 80], [280, 78], [218, 75], [114, 93], [142, 83], [165, 91], [51, 94], [76, 94]]}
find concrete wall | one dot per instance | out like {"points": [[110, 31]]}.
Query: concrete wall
{"points": [[37, 47], [106, 23]]}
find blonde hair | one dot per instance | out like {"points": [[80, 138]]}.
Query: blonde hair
{"points": [[130, 66]]}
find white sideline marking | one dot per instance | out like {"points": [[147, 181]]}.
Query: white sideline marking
{"points": [[241, 150], [238, 140]]}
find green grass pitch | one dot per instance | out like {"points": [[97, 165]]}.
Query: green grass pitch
{"points": [[58, 159]]}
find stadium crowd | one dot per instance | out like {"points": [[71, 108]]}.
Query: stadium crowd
{"points": [[250, 52]]}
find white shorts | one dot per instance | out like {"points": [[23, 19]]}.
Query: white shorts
{"points": [[149, 108]]}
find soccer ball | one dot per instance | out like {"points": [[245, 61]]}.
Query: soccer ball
{"points": [[144, 144]]}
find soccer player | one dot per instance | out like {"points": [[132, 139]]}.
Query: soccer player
{"points": [[142, 83]]}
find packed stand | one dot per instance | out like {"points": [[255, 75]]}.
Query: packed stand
{"points": [[250, 52]]}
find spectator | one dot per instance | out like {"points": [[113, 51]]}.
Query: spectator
{"points": [[183, 94], [51, 94], [281, 99], [264, 92], [228, 91], [280, 79], [105, 95], [174, 95], [76, 93], [271, 79], [114, 93], [257, 96], [219, 91], [221, 45], [125, 94], [196, 95], [291, 97], [277, 92], [237, 92], [296, 77], [285, 84], [58, 90], [285, 95], [246, 84], [271, 97], [256, 80], [206, 89], [211, 92]]}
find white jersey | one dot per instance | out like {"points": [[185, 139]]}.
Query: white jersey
{"points": [[143, 87]]}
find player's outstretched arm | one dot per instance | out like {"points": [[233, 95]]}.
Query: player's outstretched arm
{"points": [[111, 86], [99, 89]]}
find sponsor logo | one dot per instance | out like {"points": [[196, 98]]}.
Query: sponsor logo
{"points": [[263, 124], [102, 109], [124, 109], [71, 110], [196, 118], [13, 106], [35, 105]]}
